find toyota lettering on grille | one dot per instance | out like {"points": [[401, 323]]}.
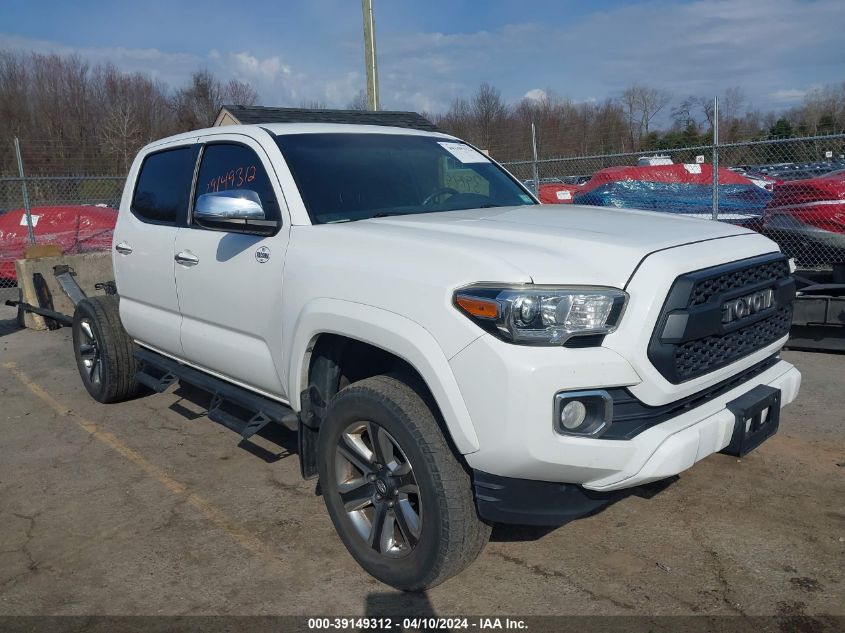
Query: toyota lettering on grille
{"points": [[750, 304]]}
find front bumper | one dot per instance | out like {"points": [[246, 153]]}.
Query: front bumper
{"points": [[515, 428]]}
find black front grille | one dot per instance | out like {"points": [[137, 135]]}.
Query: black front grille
{"points": [[691, 339], [703, 355], [706, 289]]}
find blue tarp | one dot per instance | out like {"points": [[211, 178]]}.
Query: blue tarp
{"points": [[676, 197]]}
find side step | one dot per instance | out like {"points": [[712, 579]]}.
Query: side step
{"points": [[235, 408]]}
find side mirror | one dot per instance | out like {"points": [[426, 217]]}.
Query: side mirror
{"points": [[233, 210], [235, 204]]}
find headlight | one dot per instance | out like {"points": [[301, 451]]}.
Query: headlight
{"points": [[542, 315]]}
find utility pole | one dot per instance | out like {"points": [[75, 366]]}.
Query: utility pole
{"points": [[715, 212], [535, 164], [370, 54]]}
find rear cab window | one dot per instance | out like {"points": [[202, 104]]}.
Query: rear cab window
{"points": [[163, 187]]}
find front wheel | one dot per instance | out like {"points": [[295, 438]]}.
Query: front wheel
{"points": [[398, 497]]}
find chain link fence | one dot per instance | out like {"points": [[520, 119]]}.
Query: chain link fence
{"points": [[792, 190], [45, 205], [789, 189]]}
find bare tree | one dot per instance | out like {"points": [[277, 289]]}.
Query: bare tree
{"points": [[237, 92], [642, 104], [197, 105], [683, 114], [457, 119], [359, 102], [312, 104], [706, 105], [131, 110], [732, 103], [488, 111], [120, 132], [14, 114]]}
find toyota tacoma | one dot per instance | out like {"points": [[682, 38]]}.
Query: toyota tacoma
{"points": [[451, 353]]}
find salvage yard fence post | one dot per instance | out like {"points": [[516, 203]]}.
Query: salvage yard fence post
{"points": [[24, 193]]}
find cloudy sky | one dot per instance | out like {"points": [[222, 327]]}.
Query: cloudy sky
{"points": [[434, 50]]}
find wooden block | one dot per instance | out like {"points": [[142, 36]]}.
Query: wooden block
{"points": [[42, 250], [24, 272]]}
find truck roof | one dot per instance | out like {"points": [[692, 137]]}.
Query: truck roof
{"points": [[260, 115], [296, 128]]}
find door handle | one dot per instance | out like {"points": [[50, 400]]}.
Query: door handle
{"points": [[123, 248], [187, 258]]}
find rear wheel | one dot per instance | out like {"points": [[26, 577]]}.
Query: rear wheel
{"points": [[397, 495], [103, 350]]}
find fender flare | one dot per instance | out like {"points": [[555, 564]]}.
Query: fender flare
{"points": [[393, 333]]}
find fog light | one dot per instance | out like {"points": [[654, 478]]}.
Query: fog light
{"points": [[572, 415], [584, 413]]}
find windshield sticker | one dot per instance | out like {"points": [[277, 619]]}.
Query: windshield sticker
{"points": [[464, 153], [525, 198]]}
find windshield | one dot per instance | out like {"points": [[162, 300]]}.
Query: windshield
{"points": [[344, 177]]}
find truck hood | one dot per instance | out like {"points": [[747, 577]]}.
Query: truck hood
{"points": [[549, 244]]}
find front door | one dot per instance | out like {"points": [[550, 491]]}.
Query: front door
{"points": [[230, 283]]}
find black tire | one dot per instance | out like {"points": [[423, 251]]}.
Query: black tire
{"points": [[103, 350], [450, 534]]}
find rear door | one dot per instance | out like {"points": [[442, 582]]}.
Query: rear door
{"points": [[143, 246], [230, 283]]}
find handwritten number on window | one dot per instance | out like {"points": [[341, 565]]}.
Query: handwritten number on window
{"points": [[232, 179]]}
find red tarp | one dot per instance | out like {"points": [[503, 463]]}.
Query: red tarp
{"points": [[683, 174], [807, 219], [819, 202], [557, 193], [75, 228]]}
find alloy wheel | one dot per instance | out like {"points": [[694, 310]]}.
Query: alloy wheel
{"points": [[378, 489], [89, 352]]}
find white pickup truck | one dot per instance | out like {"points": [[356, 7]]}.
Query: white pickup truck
{"points": [[450, 352]]}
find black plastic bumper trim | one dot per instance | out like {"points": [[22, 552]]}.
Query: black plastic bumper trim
{"points": [[529, 502], [631, 417]]}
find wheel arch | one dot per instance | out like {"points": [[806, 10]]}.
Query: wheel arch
{"points": [[355, 324]]}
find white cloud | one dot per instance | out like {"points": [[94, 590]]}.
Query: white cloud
{"points": [[536, 94], [270, 68], [788, 94], [173, 68]]}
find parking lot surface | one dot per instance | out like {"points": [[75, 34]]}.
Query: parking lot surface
{"points": [[149, 508]]}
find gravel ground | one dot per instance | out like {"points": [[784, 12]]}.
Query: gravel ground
{"points": [[149, 508]]}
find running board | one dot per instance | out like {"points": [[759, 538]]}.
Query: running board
{"points": [[236, 408], [157, 384]]}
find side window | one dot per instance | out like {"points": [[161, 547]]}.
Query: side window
{"points": [[227, 166], [164, 185]]}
